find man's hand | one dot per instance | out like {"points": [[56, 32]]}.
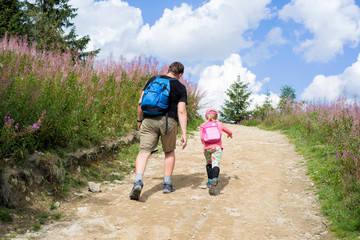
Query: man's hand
{"points": [[183, 122], [139, 110], [183, 141]]}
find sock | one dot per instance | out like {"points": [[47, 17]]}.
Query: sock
{"points": [[167, 179], [138, 177], [209, 180]]}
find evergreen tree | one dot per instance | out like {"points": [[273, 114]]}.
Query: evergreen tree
{"points": [[46, 24], [235, 109], [287, 94], [12, 18]]}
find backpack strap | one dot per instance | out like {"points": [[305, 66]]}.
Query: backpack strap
{"points": [[167, 115]]}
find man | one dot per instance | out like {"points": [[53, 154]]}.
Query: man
{"points": [[164, 126]]}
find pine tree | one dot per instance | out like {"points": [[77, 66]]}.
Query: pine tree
{"points": [[287, 95], [12, 18], [46, 25], [235, 109]]}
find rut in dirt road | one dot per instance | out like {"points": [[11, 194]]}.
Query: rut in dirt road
{"points": [[264, 193]]}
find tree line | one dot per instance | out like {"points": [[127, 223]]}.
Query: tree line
{"points": [[47, 23]]}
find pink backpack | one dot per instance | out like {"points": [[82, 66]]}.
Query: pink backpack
{"points": [[211, 132]]}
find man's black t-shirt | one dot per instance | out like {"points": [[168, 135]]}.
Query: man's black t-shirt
{"points": [[177, 94]]}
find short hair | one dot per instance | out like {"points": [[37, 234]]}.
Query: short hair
{"points": [[176, 68]]}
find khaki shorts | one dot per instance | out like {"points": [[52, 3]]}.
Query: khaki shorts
{"points": [[152, 128]]}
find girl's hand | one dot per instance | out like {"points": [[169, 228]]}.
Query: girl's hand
{"points": [[229, 136]]}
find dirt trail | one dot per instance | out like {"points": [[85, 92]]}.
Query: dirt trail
{"points": [[264, 194]]}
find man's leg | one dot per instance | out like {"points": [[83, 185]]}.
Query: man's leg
{"points": [[168, 171], [168, 142], [140, 165], [149, 136], [169, 163], [141, 161]]}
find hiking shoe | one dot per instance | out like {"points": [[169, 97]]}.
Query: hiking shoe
{"points": [[208, 184], [168, 188], [213, 184], [136, 190]]}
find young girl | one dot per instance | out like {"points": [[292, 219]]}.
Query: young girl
{"points": [[213, 150]]}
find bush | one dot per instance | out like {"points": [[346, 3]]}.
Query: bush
{"points": [[51, 101]]}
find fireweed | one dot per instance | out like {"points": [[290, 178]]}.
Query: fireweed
{"points": [[336, 123], [77, 103], [331, 132]]}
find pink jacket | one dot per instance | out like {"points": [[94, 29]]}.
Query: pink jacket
{"points": [[222, 127]]}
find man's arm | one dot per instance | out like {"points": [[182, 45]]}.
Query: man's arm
{"points": [[139, 110], [182, 114]]}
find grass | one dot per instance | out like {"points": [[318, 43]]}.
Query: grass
{"points": [[5, 215], [36, 227], [109, 167], [194, 124], [53, 206], [325, 172], [328, 137]]}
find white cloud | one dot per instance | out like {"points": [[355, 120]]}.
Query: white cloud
{"points": [[265, 50], [112, 26], [331, 87], [333, 24], [215, 80], [259, 100], [210, 32], [265, 80]]}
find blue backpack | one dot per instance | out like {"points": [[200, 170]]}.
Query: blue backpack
{"points": [[156, 96]]}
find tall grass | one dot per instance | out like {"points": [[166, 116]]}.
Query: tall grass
{"points": [[50, 101], [328, 134]]}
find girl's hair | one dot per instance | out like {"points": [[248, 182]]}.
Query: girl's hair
{"points": [[211, 116]]}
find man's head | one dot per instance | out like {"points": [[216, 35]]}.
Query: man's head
{"points": [[176, 69]]}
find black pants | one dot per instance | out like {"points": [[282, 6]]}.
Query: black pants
{"points": [[212, 172]]}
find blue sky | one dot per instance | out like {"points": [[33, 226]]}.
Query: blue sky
{"points": [[310, 45]]}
